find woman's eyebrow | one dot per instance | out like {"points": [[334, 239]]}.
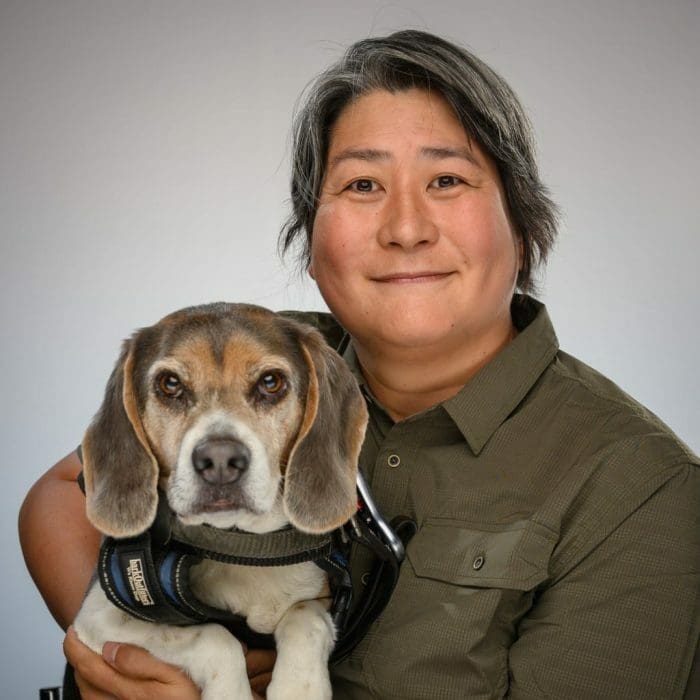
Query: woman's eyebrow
{"points": [[366, 154], [442, 152], [431, 152]]}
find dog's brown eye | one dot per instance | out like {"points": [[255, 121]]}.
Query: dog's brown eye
{"points": [[170, 385], [271, 383]]}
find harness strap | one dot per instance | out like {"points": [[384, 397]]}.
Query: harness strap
{"points": [[279, 548], [380, 586], [130, 578], [148, 575], [337, 568], [153, 585]]}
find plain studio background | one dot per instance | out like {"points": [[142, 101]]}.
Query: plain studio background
{"points": [[144, 167]]}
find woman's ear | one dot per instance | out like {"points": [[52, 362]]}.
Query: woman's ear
{"points": [[121, 472], [320, 491]]}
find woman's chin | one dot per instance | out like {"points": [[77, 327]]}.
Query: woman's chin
{"points": [[412, 336]]}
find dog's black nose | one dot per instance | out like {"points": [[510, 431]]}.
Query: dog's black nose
{"points": [[220, 460]]}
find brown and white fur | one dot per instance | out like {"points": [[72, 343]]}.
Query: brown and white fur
{"points": [[245, 419]]}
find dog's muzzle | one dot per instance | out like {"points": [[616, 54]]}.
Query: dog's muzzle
{"points": [[220, 460]]}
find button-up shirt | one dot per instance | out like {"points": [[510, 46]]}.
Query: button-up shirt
{"points": [[557, 546]]}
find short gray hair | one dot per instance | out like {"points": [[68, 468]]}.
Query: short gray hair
{"points": [[484, 103]]}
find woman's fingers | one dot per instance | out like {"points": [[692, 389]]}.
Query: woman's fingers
{"points": [[92, 675], [138, 664], [259, 683], [259, 663], [89, 692], [126, 672]]}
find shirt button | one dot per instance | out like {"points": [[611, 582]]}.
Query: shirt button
{"points": [[365, 578], [478, 562], [393, 461]]}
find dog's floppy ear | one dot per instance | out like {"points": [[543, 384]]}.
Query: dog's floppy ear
{"points": [[320, 491], [121, 473]]}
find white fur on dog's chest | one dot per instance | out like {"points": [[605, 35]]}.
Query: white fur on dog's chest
{"points": [[262, 594]]}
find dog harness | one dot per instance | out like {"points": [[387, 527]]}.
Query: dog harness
{"points": [[148, 575]]}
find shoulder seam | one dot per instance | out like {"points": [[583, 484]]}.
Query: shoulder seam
{"points": [[636, 408]]}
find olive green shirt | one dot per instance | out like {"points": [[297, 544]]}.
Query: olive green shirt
{"points": [[557, 546]]}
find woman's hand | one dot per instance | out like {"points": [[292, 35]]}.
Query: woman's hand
{"points": [[259, 663], [128, 672], [125, 672]]}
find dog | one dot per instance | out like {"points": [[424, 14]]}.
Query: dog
{"points": [[244, 419]]}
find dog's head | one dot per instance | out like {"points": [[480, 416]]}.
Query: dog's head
{"points": [[245, 418]]}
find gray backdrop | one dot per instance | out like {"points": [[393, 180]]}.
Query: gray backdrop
{"points": [[144, 165]]}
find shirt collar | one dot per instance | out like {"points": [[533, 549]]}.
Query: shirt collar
{"points": [[495, 391]]}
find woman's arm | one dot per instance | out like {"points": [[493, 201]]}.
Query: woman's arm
{"points": [[60, 545], [620, 619]]}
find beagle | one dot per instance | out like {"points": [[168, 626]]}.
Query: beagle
{"points": [[244, 419]]}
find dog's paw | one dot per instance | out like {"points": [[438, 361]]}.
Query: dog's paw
{"points": [[221, 684], [316, 688], [214, 660], [304, 641], [215, 690]]}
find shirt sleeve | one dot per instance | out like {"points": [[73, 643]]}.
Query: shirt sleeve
{"points": [[622, 620]]}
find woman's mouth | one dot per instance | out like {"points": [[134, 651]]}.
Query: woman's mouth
{"points": [[419, 277]]}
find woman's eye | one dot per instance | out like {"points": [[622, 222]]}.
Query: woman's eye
{"points": [[170, 385], [445, 181], [363, 186], [271, 383]]}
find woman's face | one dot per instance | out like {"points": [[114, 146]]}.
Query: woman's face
{"points": [[412, 246]]}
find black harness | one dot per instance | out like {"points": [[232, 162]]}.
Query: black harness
{"points": [[148, 575]]}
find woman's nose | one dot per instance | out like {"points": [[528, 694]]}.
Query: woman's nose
{"points": [[406, 222]]}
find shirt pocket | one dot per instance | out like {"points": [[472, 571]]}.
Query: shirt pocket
{"points": [[454, 613]]}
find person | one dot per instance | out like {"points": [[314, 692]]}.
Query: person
{"points": [[556, 551]]}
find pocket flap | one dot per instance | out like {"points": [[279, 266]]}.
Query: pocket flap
{"points": [[505, 556]]}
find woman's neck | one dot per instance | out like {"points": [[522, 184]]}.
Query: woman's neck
{"points": [[407, 381]]}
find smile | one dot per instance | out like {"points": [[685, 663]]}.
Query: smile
{"points": [[421, 277]]}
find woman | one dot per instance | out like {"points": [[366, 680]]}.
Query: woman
{"points": [[556, 551]]}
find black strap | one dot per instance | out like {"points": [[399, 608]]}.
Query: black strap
{"points": [[131, 580], [380, 586]]}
